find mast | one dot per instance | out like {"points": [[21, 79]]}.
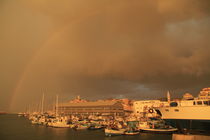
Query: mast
{"points": [[56, 108], [168, 97], [29, 109], [42, 109]]}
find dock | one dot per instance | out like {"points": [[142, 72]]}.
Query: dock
{"points": [[189, 137]]}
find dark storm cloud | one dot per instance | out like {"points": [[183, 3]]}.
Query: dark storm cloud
{"points": [[101, 49]]}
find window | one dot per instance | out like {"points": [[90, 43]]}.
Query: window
{"points": [[176, 110], [194, 103], [199, 102], [166, 109], [205, 102], [173, 104]]}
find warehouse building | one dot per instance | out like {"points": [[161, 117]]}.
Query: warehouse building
{"points": [[93, 107]]}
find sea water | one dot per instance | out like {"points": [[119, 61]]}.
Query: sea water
{"points": [[13, 127]]}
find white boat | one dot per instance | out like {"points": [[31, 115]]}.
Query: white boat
{"points": [[189, 111], [59, 123], [197, 109], [156, 126], [20, 114], [113, 132]]}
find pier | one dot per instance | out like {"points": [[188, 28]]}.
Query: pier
{"points": [[189, 137]]}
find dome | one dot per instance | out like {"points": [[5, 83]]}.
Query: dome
{"points": [[187, 96]]}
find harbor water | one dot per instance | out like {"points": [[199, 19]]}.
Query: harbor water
{"points": [[20, 128]]}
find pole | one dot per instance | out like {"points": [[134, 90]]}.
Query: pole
{"points": [[56, 111], [42, 111]]}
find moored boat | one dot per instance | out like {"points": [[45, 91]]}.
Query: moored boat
{"points": [[81, 127], [58, 123], [114, 132], [190, 112], [158, 126], [130, 132], [160, 130], [95, 127]]}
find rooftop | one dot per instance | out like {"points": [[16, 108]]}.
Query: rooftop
{"points": [[96, 103]]}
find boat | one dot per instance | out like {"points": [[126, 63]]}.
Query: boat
{"points": [[160, 130], [114, 132], [72, 125], [158, 126], [189, 111], [81, 127], [95, 127], [34, 122], [20, 114], [131, 132], [59, 123]]}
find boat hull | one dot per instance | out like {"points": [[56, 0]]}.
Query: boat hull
{"points": [[185, 112], [187, 117], [159, 130], [59, 125], [111, 132], [202, 126], [131, 133]]}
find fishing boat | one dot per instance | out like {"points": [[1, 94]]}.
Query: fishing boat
{"points": [[114, 132], [95, 127], [131, 132], [157, 126], [81, 127]]}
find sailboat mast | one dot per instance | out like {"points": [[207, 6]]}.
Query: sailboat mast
{"points": [[56, 109], [42, 111]]}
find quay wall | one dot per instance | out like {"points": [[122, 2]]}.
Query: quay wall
{"points": [[189, 137]]}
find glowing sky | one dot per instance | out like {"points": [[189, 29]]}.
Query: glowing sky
{"points": [[136, 49]]}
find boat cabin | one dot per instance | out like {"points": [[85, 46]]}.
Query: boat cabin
{"points": [[198, 102]]}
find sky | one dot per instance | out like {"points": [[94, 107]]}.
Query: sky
{"points": [[135, 49]]}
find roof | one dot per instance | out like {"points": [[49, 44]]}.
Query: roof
{"points": [[96, 103]]}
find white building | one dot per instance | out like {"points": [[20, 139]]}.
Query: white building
{"points": [[143, 107]]}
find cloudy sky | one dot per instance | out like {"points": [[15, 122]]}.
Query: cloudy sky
{"points": [[135, 49]]}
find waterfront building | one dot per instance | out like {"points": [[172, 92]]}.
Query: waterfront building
{"points": [[91, 108], [143, 107], [204, 93], [188, 96]]}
